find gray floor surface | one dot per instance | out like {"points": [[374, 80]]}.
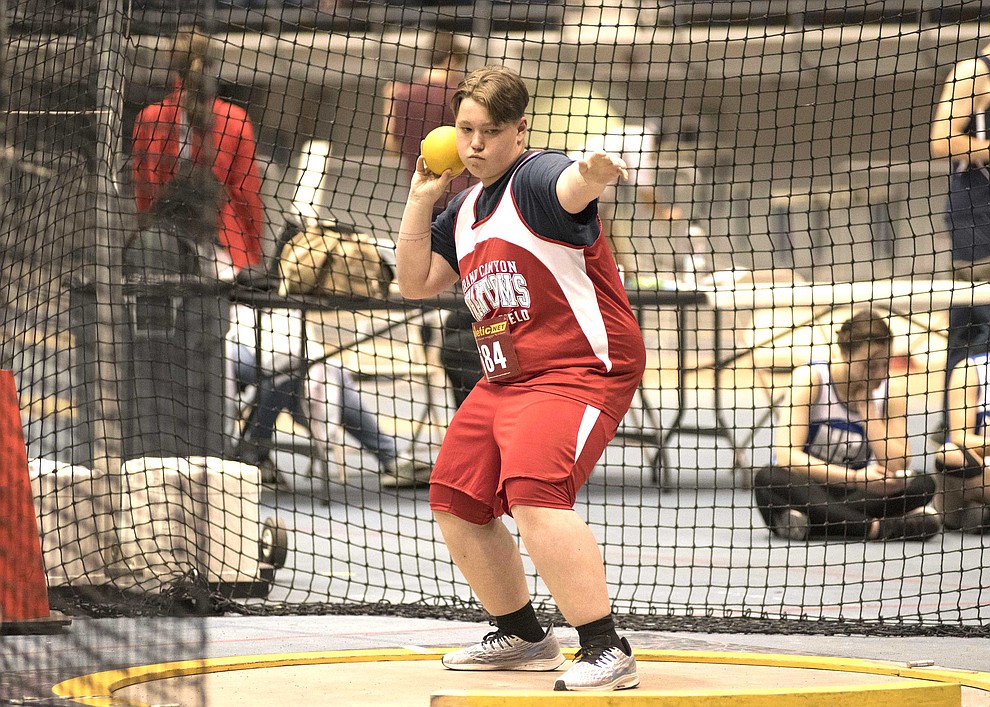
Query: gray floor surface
{"points": [[32, 664], [706, 545]]}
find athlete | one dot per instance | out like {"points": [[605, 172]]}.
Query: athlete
{"points": [[840, 449], [562, 355]]}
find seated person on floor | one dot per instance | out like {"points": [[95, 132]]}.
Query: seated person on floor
{"points": [[963, 477], [281, 381], [840, 449]]}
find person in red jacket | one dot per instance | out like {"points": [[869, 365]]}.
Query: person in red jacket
{"points": [[412, 110], [192, 124], [415, 108]]}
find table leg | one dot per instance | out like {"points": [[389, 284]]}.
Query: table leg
{"points": [[662, 469]]}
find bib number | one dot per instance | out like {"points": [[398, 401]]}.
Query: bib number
{"points": [[494, 341]]}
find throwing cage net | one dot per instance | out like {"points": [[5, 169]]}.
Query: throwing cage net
{"points": [[238, 414]]}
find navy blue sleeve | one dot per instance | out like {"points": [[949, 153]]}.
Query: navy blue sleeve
{"points": [[442, 231], [534, 189]]}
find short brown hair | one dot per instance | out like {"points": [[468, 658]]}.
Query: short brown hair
{"points": [[500, 90], [192, 59], [863, 328]]}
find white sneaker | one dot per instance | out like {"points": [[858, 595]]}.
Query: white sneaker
{"points": [[500, 651], [601, 668]]}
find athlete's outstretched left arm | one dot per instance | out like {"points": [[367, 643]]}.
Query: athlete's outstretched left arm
{"points": [[585, 180]]}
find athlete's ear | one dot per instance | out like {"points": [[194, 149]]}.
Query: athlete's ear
{"points": [[521, 130]]}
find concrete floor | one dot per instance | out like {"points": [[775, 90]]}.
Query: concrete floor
{"points": [[33, 664]]}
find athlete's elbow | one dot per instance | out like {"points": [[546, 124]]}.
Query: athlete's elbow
{"points": [[406, 289], [410, 289]]}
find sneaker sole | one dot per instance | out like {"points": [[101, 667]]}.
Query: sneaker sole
{"points": [[626, 682], [541, 666]]}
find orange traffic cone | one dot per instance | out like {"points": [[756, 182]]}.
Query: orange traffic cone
{"points": [[23, 587]]}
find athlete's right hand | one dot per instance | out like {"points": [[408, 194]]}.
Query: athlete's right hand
{"points": [[427, 186]]}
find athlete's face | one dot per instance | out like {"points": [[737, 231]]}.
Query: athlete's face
{"points": [[869, 364], [487, 149]]}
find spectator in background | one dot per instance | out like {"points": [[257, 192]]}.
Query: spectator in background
{"points": [[412, 110], [840, 449], [963, 495], [193, 141], [192, 131], [959, 133], [279, 370], [415, 108]]}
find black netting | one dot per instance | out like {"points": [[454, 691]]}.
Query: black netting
{"points": [[249, 428]]}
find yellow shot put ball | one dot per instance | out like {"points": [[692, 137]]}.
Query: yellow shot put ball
{"points": [[440, 151]]}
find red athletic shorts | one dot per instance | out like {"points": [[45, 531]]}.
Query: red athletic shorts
{"points": [[508, 445]]}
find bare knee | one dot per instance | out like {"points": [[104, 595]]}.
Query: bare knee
{"points": [[451, 524], [446, 519], [948, 453], [532, 518]]}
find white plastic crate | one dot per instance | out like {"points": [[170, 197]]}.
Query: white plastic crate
{"points": [[197, 512], [67, 500]]}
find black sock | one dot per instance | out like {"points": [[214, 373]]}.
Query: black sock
{"points": [[522, 623], [598, 632]]}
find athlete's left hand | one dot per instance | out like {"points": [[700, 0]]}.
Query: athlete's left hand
{"points": [[602, 168]]}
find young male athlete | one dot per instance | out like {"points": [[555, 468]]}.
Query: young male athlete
{"points": [[562, 355]]}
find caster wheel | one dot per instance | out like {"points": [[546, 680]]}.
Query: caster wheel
{"points": [[273, 547]]}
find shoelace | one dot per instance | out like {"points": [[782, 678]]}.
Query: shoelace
{"points": [[496, 639], [600, 654]]}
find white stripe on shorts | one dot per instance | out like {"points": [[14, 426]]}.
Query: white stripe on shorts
{"points": [[591, 415]]}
